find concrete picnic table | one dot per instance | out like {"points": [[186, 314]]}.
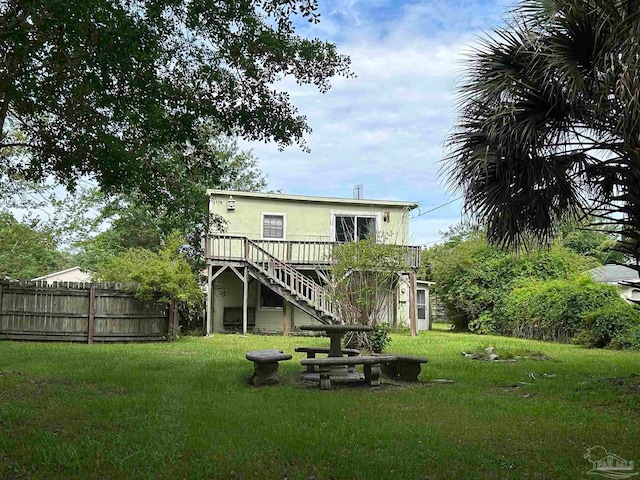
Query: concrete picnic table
{"points": [[335, 334]]}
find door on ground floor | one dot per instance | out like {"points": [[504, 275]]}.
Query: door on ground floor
{"points": [[423, 309]]}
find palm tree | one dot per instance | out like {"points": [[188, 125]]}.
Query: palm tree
{"points": [[549, 124]]}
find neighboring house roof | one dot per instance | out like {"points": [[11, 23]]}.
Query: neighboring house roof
{"points": [[306, 198], [74, 274], [612, 273]]}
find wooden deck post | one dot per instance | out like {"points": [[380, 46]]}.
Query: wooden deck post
{"points": [[245, 294], [208, 313], [91, 327], [413, 310], [284, 317], [293, 317]]}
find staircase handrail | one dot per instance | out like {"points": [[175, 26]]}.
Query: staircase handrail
{"points": [[298, 284]]}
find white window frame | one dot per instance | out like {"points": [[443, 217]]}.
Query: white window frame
{"points": [[337, 213], [284, 226]]}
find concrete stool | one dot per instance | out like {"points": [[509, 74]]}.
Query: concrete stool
{"points": [[265, 366]]}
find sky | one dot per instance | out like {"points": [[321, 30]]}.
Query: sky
{"points": [[387, 127]]}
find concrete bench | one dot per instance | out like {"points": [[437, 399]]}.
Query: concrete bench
{"points": [[313, 351], [371, 366], [265, 366], [402, 367]]}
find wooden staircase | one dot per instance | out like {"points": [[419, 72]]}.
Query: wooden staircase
{"points": [[289, 283]]}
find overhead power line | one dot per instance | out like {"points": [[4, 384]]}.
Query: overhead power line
{"points": [[436, 208]]}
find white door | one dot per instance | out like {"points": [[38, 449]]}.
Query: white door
{"points": [[423, 311]]}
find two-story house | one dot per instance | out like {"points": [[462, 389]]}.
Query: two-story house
{"points": [[268, 267]]}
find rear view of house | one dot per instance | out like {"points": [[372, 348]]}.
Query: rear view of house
{"points": [[269, 264]]}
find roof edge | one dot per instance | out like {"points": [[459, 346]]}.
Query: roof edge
{"points": [[56, 273], [309, 198]]}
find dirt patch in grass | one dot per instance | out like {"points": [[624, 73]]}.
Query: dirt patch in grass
{"points": [[493, 354], [20, 386], [630, 384]]}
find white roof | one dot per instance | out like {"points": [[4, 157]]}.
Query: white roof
{"points": [[612, 273], [307, 198], [56, 273]]}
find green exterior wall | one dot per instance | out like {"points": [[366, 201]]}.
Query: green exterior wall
{"points": [[304, 221], [227, 293], [310, 221]]}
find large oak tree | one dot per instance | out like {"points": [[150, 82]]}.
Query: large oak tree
{"points": [[102, 88]]}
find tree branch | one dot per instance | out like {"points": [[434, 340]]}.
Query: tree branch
{"points": [[4, 109], [15, 145]]}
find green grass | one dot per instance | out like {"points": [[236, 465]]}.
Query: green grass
{"points": [[184, 410]]}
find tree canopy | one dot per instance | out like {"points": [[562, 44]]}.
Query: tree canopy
{"points": [[164, 273], [549, 126], [27, 251], [105, 88]]}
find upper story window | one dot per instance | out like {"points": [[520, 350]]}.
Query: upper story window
{"points": [[350, 228], [273, 226]]}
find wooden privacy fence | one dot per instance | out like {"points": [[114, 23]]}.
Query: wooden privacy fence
{"points": [[82, 312]]}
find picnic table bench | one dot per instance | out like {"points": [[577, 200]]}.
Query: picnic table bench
{"points": [[265, 366], [313, 351], [402, 367], [371, 367]]}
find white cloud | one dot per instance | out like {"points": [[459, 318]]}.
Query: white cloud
{"points": [[385, 128]]}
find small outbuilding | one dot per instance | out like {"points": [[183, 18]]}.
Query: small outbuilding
{"points": [[74, 274], [625, 278]]}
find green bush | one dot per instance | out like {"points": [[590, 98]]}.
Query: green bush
{"points": [[485, 324], [555, 309], [473, 277], [380, 337], [607, 323], [630, 339]]}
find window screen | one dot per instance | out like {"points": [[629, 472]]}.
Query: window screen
{"points": [[353, 227], [273, 226], [345, 228], [421, 302], [366, 228]]}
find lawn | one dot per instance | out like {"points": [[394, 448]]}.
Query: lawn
{"points": [[184, 410]]}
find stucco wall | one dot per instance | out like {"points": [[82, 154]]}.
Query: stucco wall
{"points": [[227, 292], [307, 220]]}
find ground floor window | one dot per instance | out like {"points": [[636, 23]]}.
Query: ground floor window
{"points": [[269, 298]]}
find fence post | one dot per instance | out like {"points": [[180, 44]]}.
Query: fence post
{"points": [[171, 331], [92, 314]]}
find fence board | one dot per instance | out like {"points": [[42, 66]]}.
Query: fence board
{"points": [[80, 312]]}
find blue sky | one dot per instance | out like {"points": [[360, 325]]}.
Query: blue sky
{"points": [[386, 127]]}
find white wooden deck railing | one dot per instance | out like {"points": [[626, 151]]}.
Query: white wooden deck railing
{"points": [[297, 252]]}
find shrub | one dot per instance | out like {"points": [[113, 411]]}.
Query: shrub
{"points": [[473, 277], [164, 274], [554, 309], [485, 324], [630, 339], [380, 338], [607, 323]]}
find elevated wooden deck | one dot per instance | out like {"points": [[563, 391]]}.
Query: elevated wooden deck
{"points": [[300, 254]]}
